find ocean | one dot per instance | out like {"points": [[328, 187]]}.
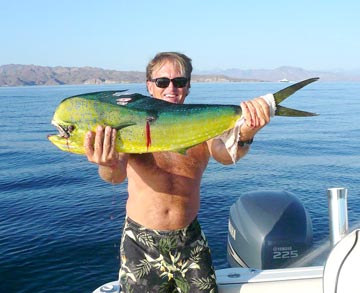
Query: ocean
{"points": [[60, 224]]}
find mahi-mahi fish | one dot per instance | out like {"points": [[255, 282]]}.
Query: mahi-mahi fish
{"points": [[147, 124]]}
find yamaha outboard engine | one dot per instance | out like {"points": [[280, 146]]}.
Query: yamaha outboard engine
{"points": [[267, 230]]}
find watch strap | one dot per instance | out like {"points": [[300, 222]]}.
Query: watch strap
{"points": [[246, 142]]}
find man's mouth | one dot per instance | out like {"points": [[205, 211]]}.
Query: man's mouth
{"points": [[171, 98]]}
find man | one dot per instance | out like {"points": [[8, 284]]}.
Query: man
{"points": [[162, 247]]}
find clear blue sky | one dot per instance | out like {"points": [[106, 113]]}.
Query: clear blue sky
{"points": [[125, 34]]}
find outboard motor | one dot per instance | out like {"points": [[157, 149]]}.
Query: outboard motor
{"points": [[267, 230]]}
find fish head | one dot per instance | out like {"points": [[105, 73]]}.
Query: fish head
{"points": [[67, 138], [70, 122]]}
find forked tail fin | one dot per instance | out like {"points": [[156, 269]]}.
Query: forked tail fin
{"points": [[286, 92]]}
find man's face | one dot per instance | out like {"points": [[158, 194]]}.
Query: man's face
{"points": [[171, 93]]}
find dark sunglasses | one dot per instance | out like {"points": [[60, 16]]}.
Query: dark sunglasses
{"points": [[163, 82]]}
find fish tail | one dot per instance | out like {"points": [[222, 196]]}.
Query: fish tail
{"points": [[288, 91], [288, 112]]}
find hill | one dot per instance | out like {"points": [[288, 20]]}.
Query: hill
{"points": [[289, 73], [19, 75], [28, 75]]}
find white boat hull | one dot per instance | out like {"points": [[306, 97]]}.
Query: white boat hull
{"points": [[294, 280]]}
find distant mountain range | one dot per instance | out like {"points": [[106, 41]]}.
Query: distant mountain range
{"points": [[25, 75], [288, 73]]}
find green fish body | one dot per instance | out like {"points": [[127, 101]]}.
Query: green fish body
{"points": [[144, 124]]}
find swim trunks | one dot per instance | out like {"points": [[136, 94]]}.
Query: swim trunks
{"points": [[165, 261]]}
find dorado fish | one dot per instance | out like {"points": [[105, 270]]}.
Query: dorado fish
{"points": [[146, 124]]}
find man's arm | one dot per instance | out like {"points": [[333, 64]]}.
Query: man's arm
{"points": [[100, 148], [219, 152], [256, 114]]}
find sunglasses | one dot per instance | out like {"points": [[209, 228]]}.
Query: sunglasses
{"points": [[163, 82]]}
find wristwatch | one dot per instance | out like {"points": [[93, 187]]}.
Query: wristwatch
{"points": [[246, 142]]}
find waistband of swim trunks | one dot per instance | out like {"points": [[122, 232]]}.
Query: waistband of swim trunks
{"points": [[193, 226]]}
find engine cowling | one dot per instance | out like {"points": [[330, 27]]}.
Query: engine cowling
{"points": [[268, 229]]}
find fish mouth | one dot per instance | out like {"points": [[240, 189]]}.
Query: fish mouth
{"points": [[63, 131]]}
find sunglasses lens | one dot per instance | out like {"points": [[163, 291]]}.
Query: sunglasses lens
{"points": [[179, 82], [162, 82]]}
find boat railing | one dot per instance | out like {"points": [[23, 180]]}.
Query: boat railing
{"points": [[338, 214]]}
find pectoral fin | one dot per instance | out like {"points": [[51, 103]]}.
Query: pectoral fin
{"points": [[123, 125], [181, 151]]}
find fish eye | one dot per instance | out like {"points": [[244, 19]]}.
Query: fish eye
{"points": [[70, 128]]}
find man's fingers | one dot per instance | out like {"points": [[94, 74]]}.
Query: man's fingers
{"points": [[113, 141], [245, 112], [256, 112], [109, 144], [99, 139], [88, 144], [107, 139], [100, 147], [249, 113], [263, 109]]}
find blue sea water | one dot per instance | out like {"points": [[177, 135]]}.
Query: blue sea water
{"points": [[60, 224]]}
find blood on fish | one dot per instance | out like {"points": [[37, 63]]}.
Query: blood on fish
{"points": [[67, 143], [148, 135], [148, 132]]}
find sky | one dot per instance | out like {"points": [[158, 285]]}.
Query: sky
{"points": [[126, 34]]}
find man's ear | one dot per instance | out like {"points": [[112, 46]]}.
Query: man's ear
{"points": [[149, 87]]}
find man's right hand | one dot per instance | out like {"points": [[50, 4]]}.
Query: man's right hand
{"points": [[100, 147]]}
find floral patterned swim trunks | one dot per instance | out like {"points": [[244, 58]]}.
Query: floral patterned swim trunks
{"points": [[165, 261]]}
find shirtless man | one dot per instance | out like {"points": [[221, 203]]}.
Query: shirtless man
{"points": [[162, 245]]}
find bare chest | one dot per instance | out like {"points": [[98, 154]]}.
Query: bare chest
{"points": [[192, 164]]}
